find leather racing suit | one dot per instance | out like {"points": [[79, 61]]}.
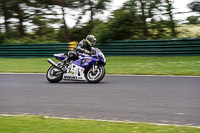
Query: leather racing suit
{"points": [[82, 47]]}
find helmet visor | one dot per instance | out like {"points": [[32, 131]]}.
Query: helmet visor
{"points": [[93, 42]]}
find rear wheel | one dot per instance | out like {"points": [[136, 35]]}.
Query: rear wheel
{"points": [[95, 75], [54, 75]]}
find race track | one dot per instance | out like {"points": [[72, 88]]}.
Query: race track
{"points": [[154, 99]]}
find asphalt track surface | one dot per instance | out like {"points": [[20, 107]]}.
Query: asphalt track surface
{"points": [[154, 99]]}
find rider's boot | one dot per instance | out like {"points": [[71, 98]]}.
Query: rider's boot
{"points": [[66, 60]]}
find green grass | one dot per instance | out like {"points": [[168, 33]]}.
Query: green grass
{"points": [[154, 65], [24, 65], [38, 124], [115, 65]]}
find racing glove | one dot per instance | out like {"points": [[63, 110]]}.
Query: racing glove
{"points": [[87, 52]]}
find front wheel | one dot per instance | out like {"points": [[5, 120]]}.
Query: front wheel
{"points": [[54, 75], [96, 75]]}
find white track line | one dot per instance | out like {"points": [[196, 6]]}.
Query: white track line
{"points": [[153, 76], [176, 76], [64, 118], [22, 73]]}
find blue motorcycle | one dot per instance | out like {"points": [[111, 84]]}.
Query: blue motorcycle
{"points": [[90, 68]]}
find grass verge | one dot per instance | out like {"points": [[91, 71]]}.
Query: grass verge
{"points": [[41, 124], [116, 65]]}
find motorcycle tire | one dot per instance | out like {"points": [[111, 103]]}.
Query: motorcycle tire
{"points": [[53, 78], [97, 76]]}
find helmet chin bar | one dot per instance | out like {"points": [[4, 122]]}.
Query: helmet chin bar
{"points": [[91, 39]]}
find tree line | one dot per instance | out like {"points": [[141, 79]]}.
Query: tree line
{"points": [[136, 19]]}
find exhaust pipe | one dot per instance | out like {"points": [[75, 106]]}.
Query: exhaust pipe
{"points": [[54, 64]]}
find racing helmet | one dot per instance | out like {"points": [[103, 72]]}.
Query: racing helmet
{"points": [[91, 40]]}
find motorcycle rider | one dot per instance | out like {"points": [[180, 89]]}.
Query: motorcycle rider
{"points": [[84, 46]]}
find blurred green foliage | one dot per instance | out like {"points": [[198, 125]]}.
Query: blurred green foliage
{"points": [[193, 19], [135, 20], [29, 39]]}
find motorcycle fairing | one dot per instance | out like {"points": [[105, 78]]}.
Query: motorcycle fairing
{"points": [[60, 56], [75, 73], [85, 61]]}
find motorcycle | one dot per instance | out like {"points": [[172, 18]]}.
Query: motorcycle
{"points": [[87, 67]]}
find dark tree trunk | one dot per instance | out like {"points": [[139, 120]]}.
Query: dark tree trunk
{"points": [[21, 20], [5, 14], [144, 23], [64, 22], [91, 15], [172, 23]]}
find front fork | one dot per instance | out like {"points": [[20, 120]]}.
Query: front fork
{"points": [[94, 68]]}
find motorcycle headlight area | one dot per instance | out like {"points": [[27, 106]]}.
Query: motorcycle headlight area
{"points": [[101, 56]]}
